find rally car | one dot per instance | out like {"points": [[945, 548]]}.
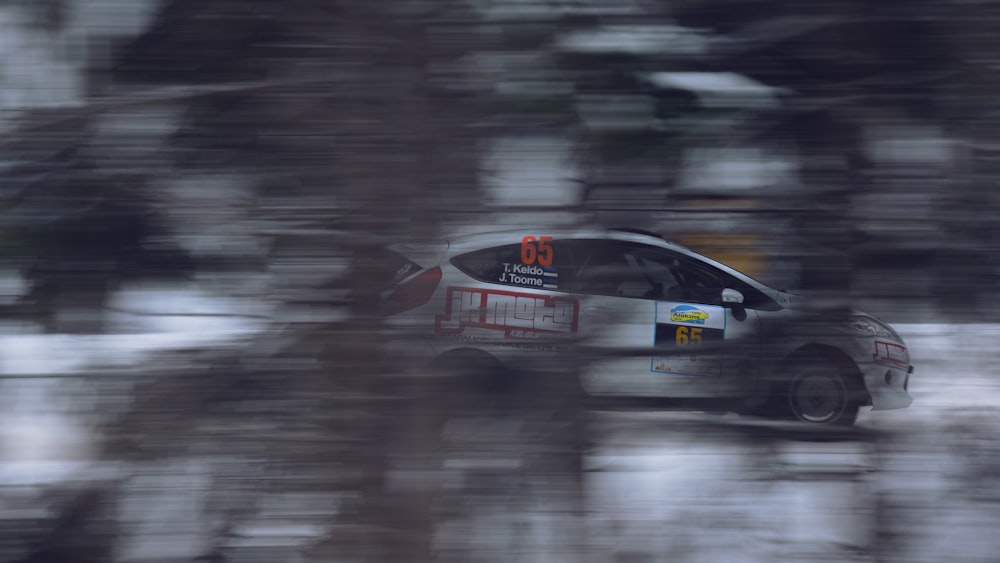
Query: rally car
{"points": [[652, 318]]}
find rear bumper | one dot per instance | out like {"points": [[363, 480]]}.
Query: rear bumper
{"points": [[887, 386]]}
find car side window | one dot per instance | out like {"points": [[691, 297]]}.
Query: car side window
{"points": [[617, 268], [504, 265], [603, 267], [486, 265], [696, 282], [641, 271], [602, 270], [672, 277]]}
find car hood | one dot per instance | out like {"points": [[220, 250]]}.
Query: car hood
{"points": [[813, 301], [823, 304]]}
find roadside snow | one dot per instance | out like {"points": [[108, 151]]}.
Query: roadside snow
{"points": [[42, 435], [660, 486], [147, 320], [954, 370], [664, 488]]}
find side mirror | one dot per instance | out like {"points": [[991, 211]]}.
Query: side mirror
{"points": [[731, 298]]}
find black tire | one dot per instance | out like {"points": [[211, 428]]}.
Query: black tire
{"points": [[821, 392]]}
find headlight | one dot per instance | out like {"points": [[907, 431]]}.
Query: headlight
{"points": [[871, 327]]}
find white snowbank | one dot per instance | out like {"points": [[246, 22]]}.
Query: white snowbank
{"points": [[39, 438], [149, 319]]}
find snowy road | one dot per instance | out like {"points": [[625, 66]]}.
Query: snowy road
{"points": [[923, 484]]}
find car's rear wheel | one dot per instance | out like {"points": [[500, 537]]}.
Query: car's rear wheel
{"points": [[820, 392]]}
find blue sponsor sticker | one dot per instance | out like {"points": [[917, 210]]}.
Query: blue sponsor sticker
{"points": [[688, 314]]}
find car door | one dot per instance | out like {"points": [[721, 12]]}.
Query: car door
{"points": [[665, 307], [508, 304]]}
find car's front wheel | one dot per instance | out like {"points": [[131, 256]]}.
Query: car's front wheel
{"points": [[820, 392]]}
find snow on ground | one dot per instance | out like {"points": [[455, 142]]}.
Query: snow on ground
{"points": [[955, 368], [660, 486], [143, 320], [664, 488], [39, 430]]}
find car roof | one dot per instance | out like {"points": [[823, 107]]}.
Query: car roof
{"points": [[467, 242]]}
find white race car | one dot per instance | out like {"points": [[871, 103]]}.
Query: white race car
{"points": [[652, 318]]}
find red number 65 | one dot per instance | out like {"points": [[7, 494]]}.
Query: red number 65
{"points": [[540, 250]]}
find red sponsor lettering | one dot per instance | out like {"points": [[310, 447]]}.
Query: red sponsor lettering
{"points": [[519, 315]]}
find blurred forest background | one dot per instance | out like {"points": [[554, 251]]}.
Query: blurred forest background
{"points": [[265, 149]]}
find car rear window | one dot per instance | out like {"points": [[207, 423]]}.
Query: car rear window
{"points": [[487, 265]]}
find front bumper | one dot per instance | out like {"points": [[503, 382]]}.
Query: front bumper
{"points": [[887, 385]]}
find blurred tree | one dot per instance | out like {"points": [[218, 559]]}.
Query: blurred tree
{"points": [[356, 126], [78, 228], [875, 114], [834, 76]]}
